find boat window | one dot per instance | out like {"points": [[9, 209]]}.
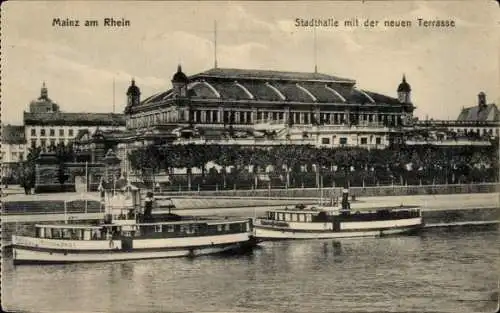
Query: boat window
{"points": [[308, 217], [170, 228], [66, 234], [226, 227], [158, 228], [193, 229], [56, 233], [219, 227], [86, 234], [289, 216], [300, 217]]}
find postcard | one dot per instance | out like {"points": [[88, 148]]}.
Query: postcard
{"points": [[239, 156]]}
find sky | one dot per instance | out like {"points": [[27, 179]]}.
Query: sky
{"points": [[446, 67]]}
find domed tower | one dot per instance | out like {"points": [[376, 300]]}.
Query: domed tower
{"points": [[404, 91], [481, 100], [44, 93], [133, 96], [179, 83], [43, 104]]}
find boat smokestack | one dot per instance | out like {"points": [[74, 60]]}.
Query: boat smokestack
{"points": [[345, 199]]}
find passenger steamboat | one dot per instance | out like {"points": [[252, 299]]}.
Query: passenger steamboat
{"points": [[320, 222], [129, 233]]}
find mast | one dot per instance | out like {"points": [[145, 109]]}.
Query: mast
{"points": [[113, 95], [86, 183], [321, 192], [315, 52], [215, 44], [86, 176]]}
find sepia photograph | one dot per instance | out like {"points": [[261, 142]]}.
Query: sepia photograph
{"points": [[241, 156]]}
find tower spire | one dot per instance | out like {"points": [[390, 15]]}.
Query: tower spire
{"points": [[215, 43]]}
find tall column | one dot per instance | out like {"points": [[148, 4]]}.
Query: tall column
{"points": [[203, 116], [220, 115]]}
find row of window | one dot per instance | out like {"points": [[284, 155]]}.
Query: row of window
{"points": [[290, 217], [477, 131], [100, 234], [44, 142], [343, 140], [246, 117], [52, 132]]}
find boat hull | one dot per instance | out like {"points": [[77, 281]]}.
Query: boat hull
{"points": [[48, 254], [318, 231]]}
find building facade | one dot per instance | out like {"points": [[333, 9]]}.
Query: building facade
{"points": [[46, 125], [478, 125], [236, 106], [13, 149]]}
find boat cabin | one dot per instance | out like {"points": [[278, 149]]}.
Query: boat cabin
{"points": [[312, 214], [142, 230]]}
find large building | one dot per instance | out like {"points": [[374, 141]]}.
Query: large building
{"points": [[237, 106], [45, 125], [475, 126]]}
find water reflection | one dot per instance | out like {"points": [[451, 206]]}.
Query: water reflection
{"points": [[383, 274]]}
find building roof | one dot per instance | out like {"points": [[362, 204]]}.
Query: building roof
{"points": [[74, 119], [487, 113], [232, 73], [13, 134], [274, 86]]}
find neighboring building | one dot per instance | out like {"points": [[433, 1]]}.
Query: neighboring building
{"points": [[475, 126], [482, 112], [238, 106], [45, 125], [13, 143], [13, 149], [48, 129]]}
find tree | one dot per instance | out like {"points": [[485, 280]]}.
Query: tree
{"points": [[145, 159], [27, 171]]}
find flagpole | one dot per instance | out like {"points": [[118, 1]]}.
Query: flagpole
{"points": [[86, 183], [113, 95], [215, 44], [315, 52], [86, 176]]}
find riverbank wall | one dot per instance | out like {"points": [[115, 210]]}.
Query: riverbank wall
{"points": [[329, 192]]}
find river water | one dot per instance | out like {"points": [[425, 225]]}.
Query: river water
{"points": [[440, 270]]}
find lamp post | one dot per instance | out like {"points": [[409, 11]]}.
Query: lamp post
{"points": [[112, 163]]}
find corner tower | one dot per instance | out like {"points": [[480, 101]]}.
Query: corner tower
{"points": [[179, 83], [404, 91], [133, 96]]}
